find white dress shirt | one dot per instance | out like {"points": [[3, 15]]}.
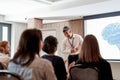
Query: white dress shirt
{"points": [[75, 41]]}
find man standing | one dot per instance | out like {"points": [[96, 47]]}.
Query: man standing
{"points": [[71, 44]]}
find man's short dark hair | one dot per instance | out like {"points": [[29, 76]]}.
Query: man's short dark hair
{"points": [[66, 28]]}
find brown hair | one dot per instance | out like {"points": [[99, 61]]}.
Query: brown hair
{"points": [[3, 45], [50, 44], [29, 46], [90, 50]]}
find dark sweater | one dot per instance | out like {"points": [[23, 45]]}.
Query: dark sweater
{"points": [[59, 66]]}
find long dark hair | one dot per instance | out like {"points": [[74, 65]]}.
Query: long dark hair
{"points": [[90, 50], [29, 46]]}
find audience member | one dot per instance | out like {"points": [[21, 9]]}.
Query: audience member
{"points": [[90, 55], [4, 51], [50, 47], [26, 61], [71, 44]]}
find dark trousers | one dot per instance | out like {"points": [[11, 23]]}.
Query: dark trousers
{"points": [[72, 58]]}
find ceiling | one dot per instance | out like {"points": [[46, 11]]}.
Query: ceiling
{"points": [[55, 10]]}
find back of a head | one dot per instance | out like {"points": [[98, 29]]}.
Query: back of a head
{"points": [[50, 44], [29, 44], [90, 49], [30, 40]]}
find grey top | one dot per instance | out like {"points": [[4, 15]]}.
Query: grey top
{"points": [[39, 69]]}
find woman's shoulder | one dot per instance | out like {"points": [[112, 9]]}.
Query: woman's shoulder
{"points": [[102, 61], [58, 58], [105, 62], [42, 61]]}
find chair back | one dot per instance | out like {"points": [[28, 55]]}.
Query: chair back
{"points": [[84, 72], [6, 75]]}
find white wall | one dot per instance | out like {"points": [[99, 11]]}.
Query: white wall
{"points": [[17, 29], [1, 18]]}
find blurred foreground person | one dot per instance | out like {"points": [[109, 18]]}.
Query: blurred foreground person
{"points": [[26, 61], [90, 55], [4, 52]]}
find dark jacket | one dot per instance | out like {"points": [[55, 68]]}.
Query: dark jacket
{"points": [[104, 68], [58, 65]]}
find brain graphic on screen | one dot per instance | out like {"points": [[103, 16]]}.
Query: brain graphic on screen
{"points": [[111, 33]]}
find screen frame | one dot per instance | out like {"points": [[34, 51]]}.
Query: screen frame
{"points": [[105, 15]]}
